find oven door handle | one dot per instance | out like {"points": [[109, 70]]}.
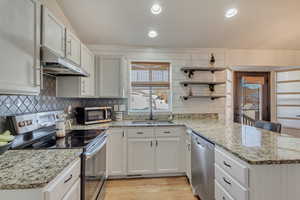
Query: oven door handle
{"points": [[94, 152]]}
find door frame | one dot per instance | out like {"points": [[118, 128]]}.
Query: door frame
{"points": [[266, 98]]}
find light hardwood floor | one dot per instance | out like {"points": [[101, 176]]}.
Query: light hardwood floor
{"points": [[175, 188]]}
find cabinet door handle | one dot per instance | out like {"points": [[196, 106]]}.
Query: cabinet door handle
{"points": [[226, 164], [67, 180], [156, 143], [167, 132], [123, 133], [151, 144], [140, 133], [224, 179], [70, 48], [63, 44], [297, 115], [223, 198]]}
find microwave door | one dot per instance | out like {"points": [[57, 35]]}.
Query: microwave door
{"points": [[95, 116]]}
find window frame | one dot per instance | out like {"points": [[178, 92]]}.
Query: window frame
{"points": [[146, 112]]}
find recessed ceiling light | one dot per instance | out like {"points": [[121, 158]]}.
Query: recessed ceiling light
{"points": [[231, 12], [156, 9], [152, 34]]}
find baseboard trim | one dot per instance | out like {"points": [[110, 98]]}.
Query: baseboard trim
{"points": [[146, 176]]}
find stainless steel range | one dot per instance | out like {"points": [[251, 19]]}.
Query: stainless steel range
{"points": [[38, 131]]}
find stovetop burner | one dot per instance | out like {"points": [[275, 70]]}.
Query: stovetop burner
{"points": [[73, 139], [77, 138]]}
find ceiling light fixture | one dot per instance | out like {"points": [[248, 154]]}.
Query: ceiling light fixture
{"points": [[156, 9], [231, 12], [152, 34]]}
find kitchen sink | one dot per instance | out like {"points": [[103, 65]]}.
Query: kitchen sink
{"points": [[152, 122]]}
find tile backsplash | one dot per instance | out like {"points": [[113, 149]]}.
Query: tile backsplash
{"points": [[46, 101]]}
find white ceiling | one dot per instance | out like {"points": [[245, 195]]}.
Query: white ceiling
{"points": [[260, 24]]}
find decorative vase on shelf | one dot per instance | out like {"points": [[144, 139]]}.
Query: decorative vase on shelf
{"points": [[212, 60]]}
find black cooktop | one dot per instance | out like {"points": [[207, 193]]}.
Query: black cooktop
{"points": [[73, 139]]}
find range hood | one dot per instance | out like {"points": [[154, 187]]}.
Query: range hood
{"points": [[57, 66]]}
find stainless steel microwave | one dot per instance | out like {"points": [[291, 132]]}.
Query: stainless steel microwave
{"points": [[93, 115]]}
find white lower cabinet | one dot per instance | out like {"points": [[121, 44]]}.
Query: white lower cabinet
{"points": [[116, 152], [188, 152], [74, 192], [64, 182], [238, 180], [141, 154], [167, 155], [146, 151], [65, 186]]}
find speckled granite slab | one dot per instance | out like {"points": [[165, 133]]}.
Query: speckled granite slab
{"points": [[255, 146], [27, 169], [124, 123]]}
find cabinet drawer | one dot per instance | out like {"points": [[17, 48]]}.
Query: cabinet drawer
{"points": [[140, 132], [230, 185], [74, 192], [62, 184], [167, 132], [232, 167], [220, 193]]}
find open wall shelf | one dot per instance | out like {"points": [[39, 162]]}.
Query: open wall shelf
{"points": [[190, 70], [210, 84], [212, 97]]}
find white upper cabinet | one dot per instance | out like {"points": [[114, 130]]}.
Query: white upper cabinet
{"points": [[19, 47], [79, 86], [110, 76], [53, 33], [88, 63], [73, 48]]}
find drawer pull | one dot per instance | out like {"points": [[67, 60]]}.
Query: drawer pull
{"points": [[223, 198], [71, 176], [151, 144], [224, 179], [140, 133], [226, 164], [167, 132]]}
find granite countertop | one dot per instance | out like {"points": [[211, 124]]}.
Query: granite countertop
{"points": [[253, 145], [127, 123], [27, 169]]}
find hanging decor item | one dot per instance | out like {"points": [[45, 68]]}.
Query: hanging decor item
{"points": [[212, 60]]}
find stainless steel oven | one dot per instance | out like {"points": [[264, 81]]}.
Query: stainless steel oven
{"points": [[94, 170], [93, 115]]}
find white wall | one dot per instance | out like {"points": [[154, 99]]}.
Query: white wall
{"points": [[200, 57]]}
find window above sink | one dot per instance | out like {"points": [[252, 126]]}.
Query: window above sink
{"points": [[150, 82]]}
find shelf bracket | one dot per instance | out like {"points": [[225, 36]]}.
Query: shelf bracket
{"points": [[189, 72], [212, 87]]}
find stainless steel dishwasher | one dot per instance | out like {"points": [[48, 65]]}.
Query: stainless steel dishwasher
{"points": [[203, 170]]}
